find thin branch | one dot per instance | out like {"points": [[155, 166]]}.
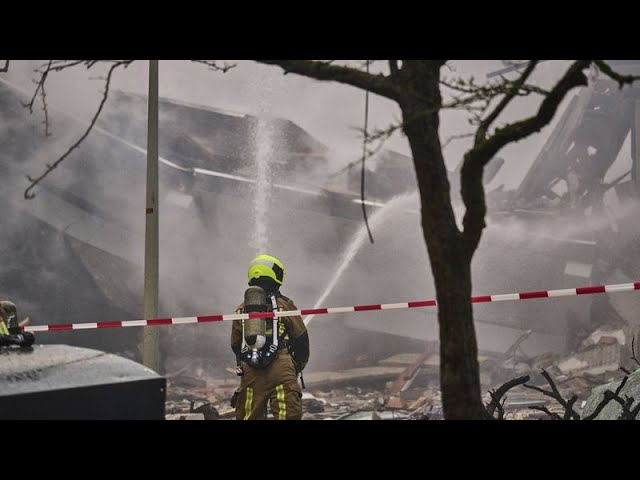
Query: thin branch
{"points": [[214, 65], [477, 99], [52, 66], [607, 397], [574, 77], [544, 409], [44, 106], [480, 155], [633, 351], [496, 395], [469, 86], [456, 137], [378, 84], [391, 129], [47, 132], [627, 412], [569, 408], [40, 88], [382, 135], [51, 167], [609, 72], [504, 102], [6, 66], [555, 394], [492, 89], [59, 65], [379, 136], [39, 85], [509, 67]]}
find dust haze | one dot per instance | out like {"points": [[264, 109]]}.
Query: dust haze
{"points": [[75, 253]]}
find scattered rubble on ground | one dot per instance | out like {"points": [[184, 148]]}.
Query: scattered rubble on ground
{"points": [[406, 386]]}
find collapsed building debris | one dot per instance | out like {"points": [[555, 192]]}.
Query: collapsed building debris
{"points": [[578, 374], [571, 182], [406, 386]]}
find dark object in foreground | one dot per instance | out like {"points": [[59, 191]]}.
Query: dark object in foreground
{"points": [[23, 340], [60, 382]]}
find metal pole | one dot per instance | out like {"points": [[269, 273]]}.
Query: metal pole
{"points": [[150, 349], [635, 146]]}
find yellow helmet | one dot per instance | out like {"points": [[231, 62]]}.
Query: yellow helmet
{"points": [[266, 266]]}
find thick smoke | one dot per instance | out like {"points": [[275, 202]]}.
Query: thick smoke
{"points": [[210, 230]]}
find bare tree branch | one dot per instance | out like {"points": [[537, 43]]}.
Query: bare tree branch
{"points": [[574, 77], [608, 396], [51, 167], [47, 132], [6, 66], [496, 395], [39, 84], [59, 65], [633, 351], [627, 412], [381, 136], [544, 409], [456, 137], [504, 102], [483, 151], [608, 71], [477, 99], [214, 65], [569, 408], [41, 89], [492, 89], [470, 86], [555, 394], [378, 84]]}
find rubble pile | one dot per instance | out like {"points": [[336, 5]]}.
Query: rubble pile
{"points": [[199, 398], [405, 386], [597, 360], [360, 393]]}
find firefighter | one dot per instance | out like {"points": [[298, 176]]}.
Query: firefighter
{"points": [[271, 375], [10, 329]]}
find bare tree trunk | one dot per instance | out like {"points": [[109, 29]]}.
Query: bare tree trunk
{"points": [[450, 262]]}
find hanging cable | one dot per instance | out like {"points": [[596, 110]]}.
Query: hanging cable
{"points": [[364, 156]]}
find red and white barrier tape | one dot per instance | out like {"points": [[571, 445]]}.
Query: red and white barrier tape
{"points": [[567, 292]]}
